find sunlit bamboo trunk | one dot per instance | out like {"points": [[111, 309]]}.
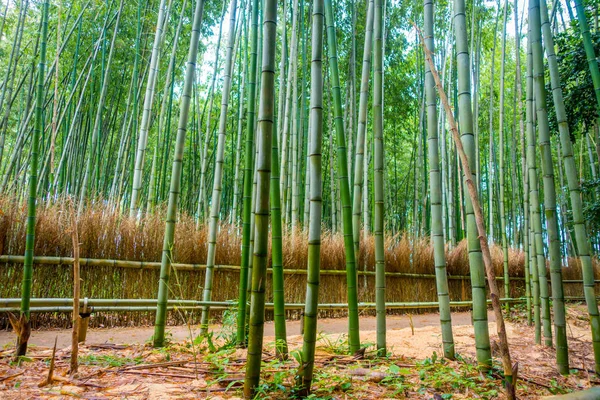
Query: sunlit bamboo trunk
{"points": [[436, 193], [582, 239], [263, 161], [480, 321], [175, 187]]}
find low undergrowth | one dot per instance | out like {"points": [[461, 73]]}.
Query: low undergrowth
{"points": [[117, 371]]}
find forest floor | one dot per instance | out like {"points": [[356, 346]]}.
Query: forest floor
{"points": [[118, 363]]}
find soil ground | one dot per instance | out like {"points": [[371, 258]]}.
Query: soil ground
{"points": [[116, 363]]}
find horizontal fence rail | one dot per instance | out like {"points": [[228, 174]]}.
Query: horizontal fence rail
{"points": [[126, 305], [98, 262]]}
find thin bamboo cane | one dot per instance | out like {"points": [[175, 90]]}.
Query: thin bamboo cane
{"points": [[435, 192], [316, 201], [378, 169], [23, 324], [582, 239], [215, 206], [353, 322], [167, 256], [248, 173], [558, 306], [476, 259]]}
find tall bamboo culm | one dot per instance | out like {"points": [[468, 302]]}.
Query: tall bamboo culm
{"points": [[175, 186], [558, 302], [581, 236], [263, 163], [537, 260], [148, 101], [359, 164], [215, 205], [316, 201], [23, 325], [480, 320], [435, 188], [247, 200], [342, 164], [378, 163]]}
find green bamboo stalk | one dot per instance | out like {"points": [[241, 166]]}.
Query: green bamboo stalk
{"points": [[539, 270], [175, 189], [482, 336], [215, 205], [277, 254], [436, 192], [589, 50], [147, 110], [535, 283], [558, 304], [582, 239], [240, 127], [24, 323], [526, 209], [248, 173], [501, 160], [316, 201], [261, 244], [165, 108], [342, 162], [91, 160], [378, 165], [359, 164]]}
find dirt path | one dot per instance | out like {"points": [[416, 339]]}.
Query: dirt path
{"points": [[139, 335]]}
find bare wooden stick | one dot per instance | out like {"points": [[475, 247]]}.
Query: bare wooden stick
{"points": [[509, 369], [76, 293]]}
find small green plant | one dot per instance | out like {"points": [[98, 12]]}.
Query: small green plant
{"points": [[337, 346], [106, 360]]}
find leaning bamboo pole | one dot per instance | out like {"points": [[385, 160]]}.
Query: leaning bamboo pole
{"points": [[510, 370]]}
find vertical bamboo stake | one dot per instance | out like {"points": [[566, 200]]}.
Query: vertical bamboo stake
{"points": [[76, 294]]}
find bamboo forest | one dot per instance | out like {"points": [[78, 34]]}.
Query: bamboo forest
{"points": [[326, 199]]}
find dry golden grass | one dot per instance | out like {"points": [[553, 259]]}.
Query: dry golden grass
{"points": [[109, 234]]}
